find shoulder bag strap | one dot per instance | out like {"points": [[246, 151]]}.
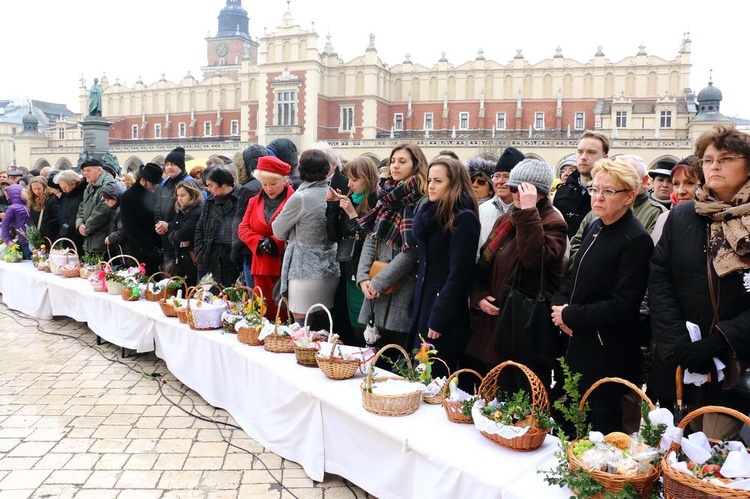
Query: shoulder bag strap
{"points": [[712, 294]]}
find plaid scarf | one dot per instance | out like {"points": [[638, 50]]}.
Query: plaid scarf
{"points": [[392, 218], [501, 232], [729, 242]]}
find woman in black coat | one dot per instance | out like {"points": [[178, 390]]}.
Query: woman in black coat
{"points": [[703, 238], [213, 233], [182, 237], [137, 214], [446, 228], [598, 306]]}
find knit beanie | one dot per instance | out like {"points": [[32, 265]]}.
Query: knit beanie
{"points": [[508, 159], [285, 150], [533, 171], [177, 156], [250, 156]]}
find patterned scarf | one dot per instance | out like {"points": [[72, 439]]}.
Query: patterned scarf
{"points": [[730, 228], [500, 234], [391, 220]]}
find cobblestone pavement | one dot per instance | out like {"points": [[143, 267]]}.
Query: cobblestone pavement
{"points": [[78, 421]]}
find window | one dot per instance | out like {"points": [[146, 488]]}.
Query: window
{"points": [[427, 121], [580, 121], [61, 133], [286, 108], [80, 133], [206, 128], [134, 131], [347, 119], [398, 121], [666, 119], [157, 130], [621, 119], [539, 121], [181, 129], [500, 121], [463, 121], [234, 127]]}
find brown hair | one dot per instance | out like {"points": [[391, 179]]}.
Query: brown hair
{"points": [[591, 134], [363, 167], [726, 138], [196, 195], [33, 201], [454, 199], [419, 160]]}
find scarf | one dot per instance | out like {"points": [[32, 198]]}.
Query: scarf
{"points": [[501, 232], [357, 198], [391, 220], [729, 242]]}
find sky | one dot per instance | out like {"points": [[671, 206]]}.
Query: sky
{"points": [[49, 45]]}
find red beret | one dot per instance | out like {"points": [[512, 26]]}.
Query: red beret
{"points": [[273, 164]]}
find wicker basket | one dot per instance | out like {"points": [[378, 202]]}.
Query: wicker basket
{"points": [[453, 408], [249, 335], [165, 303], [274, 342], [678, 485], [438, 397], [388, 405], [306, 356], [70, 271], [57, 260], [182, 315], [128, 295], [150, 295], [206, 316], [644, 482], [534, 436], [335, 367], [114, 287]]}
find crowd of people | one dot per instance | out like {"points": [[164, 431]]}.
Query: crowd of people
{"points": [[405, 250]]}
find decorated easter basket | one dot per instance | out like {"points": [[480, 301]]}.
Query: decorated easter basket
{"points": [[438, 397], [202, 315], [152, 295], [387, 404], [678, 485], [248, 335], [166, 304], [278, 342], [306, 356], [454, 409], [114, 287], [613, 482], [62, 257], [533, 436], [337, 368]]}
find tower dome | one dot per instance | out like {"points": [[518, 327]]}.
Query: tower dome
{"points": [[709, 98], [233, 20]]}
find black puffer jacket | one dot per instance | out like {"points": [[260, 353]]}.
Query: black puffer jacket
{"points": [[573, 201], [678, 292]]}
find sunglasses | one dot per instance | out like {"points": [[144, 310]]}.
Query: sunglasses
{"points": [[513, 189], [479, 180]]}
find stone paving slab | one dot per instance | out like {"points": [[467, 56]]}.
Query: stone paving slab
{"points": [[77, 421]]}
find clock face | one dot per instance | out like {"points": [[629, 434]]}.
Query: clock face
{"points": [[222, 49]]}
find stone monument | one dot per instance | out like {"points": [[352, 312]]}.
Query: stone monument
{"points": [[96, 130]]}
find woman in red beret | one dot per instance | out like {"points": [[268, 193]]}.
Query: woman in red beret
{"points": [[255, 229]]}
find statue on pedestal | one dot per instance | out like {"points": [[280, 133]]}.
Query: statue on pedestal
{"points": [[95, 99]]}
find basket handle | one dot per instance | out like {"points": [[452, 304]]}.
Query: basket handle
{"points": [[75, 251], [178, 278], [448, 369], [619, 381], [488, 388], [455, 374], [49, 241], [193, 292], [148, 281], [137, 263], [328, 313], [278, 310], [371, 371], [711, 409]]}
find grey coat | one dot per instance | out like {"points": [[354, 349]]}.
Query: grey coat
{"points": [[392, 312], [302, 223], [94, 213]]}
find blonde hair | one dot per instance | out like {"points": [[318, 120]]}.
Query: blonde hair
{"points": [[266, 175], [621, 172], [33, 201]]}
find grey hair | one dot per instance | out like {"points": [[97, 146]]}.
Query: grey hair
{"points": [[634, 161], [67, 176], [326, 148]]}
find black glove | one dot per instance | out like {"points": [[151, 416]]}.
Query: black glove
{"points": [[698, 356], [268, 247]]}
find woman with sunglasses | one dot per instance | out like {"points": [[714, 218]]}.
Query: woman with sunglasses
{"points": [[700, 274], [598, 305], [481, 169], [531, 235]]}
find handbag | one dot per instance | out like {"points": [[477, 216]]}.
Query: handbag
{"points": [[736, 375], [377, 267], [345, 249], [524, 329]]}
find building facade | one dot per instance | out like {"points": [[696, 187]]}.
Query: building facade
{"points": [[281, 85]]}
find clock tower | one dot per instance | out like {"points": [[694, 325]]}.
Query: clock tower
{"points": [[231, 44]]}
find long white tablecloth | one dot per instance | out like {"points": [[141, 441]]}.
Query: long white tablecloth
{"points": [[296, 411]]}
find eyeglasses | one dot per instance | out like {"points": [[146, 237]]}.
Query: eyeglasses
{"points": [[500, 176], [479, 180], [722, 161], [607, 193]]}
